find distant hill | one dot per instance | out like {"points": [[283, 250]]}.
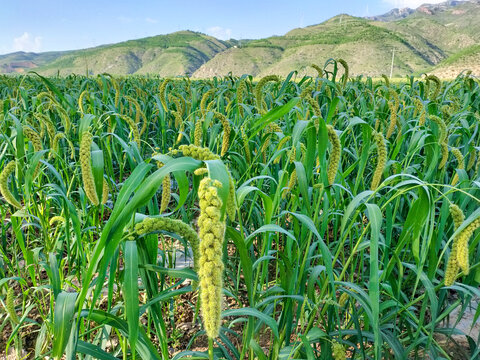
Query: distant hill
{"points": [[441, 38], [179, 53]]}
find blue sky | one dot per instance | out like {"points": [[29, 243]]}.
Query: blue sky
{"points": [[45, 25]]}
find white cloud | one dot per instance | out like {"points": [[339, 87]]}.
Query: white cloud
{"points": [[27, 42], [411, 3], [151, 21], [219, 32]]}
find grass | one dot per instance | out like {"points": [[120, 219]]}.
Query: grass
{"points": [[313, 262]]}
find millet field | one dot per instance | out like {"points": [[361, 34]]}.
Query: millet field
{"points": [[322, 217]]}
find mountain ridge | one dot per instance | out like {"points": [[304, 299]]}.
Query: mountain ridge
{"points": [[418, 40]]}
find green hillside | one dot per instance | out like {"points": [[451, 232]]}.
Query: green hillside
{"points": [[20, 62], [423, 40], [366, 45], [467, 59], [179, 53]]}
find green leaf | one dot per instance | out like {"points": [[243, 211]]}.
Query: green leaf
{"points": [[130, 283], [272, 324], [62, 322]]}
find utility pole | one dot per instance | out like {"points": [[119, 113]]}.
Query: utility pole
{"points": [[393, 58]]}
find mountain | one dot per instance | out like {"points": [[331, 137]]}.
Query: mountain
{"points": [[179, 53], [465, 60], [20, 62], [422, 39], [442, 38]]}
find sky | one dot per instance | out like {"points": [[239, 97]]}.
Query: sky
{"points": [[51, 25]]}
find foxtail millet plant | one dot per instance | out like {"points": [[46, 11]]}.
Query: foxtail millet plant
{"points": [[381, 159], [152, 224], [452, 264], [346, 72], [460, 163], [319, 70], [80, 101], [335, 153], [203, 102], [259, 91], [241, 90], [195, 152], [444, 152], [211, 233], [246, 146], [86, 167], [442, 128], [226, 132], [4, 190], [462, 245], [162, 95]]}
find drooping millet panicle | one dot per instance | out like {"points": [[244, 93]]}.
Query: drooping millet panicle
{"points": [[457, 215], [10, 305], [198, 132], [56, 219], [381, 159], [460, 161], [246, 146], [86, 167], [139, 115], [306, 94], [56, 141], [211, 234], [195, 152], [231, 207], [229, 107], [471, 159], [133, 128], [319, 70], [346, 72], [226, 132], [34, 137], [42, 118], [152, 224], [178, 119], [259, 91], [291, 183], [438, 85], [283, 141], [387, 80], [181, 126], [166, 193], [477, 165], [241, 90], [64, 116], [280, 145], [80, 101], [452, 264], [203, 102], [393, 106], [162, 95], [334, 159], [173, 99], [419, 109], [117, 91], [210, 106], [4, 190], [444, 151], [442, 128], [462, 245], [105, 191]]}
